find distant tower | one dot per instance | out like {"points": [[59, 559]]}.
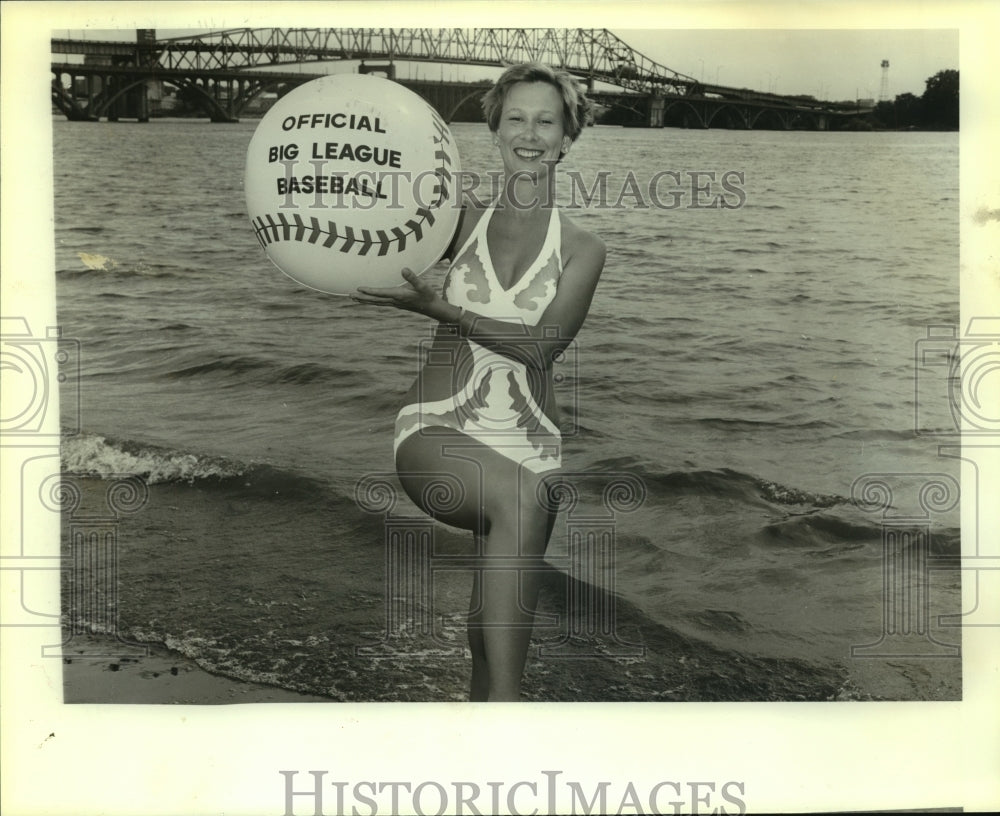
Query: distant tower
{"points": [[883, 94]]}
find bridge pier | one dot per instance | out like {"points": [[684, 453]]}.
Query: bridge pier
{"points": [[140, 103], [656, 106]]}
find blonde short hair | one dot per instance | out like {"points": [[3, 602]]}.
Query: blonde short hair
{"points": [[576, 106]]}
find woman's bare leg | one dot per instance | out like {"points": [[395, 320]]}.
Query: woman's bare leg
{"points": [[502, 509], [480, 685], [509, 594]]}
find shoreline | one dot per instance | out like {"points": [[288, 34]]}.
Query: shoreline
{"points": [[101, 669]]}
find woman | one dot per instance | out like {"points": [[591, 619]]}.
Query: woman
{"points": [[482, 410]]}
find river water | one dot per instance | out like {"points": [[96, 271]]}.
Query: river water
{"points": [[741, 368]]}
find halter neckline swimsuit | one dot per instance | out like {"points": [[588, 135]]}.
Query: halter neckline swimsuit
{"points": [[490, 399]]}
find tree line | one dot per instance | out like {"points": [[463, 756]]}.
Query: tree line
{"points": [[936, 109]]}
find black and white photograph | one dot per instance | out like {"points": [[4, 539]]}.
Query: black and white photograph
{"points": [[644, 363], [722, 403]]}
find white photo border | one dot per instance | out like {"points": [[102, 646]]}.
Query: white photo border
{"points": [[73, 759]]}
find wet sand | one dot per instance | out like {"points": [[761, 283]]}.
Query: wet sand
{"points": [[102, 670]]}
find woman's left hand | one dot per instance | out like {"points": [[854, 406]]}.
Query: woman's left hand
{"points": [[413, 296]]}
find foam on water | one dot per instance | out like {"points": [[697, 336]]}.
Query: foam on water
{"points": [[93, 455]]}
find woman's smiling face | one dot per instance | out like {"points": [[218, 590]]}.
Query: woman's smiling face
{"points": [[531, 127]]}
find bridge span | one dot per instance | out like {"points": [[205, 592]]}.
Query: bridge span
{"points": [[226, 71]]}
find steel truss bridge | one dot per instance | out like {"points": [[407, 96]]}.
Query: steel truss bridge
{"points": [[227, 70]]}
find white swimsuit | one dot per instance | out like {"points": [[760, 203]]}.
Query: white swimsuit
{"points": [[493, 401]]}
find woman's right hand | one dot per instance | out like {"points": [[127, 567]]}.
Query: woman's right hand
{"points": [[413, 296]]}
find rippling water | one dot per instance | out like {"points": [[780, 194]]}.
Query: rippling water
{"points": [[744, 365]]}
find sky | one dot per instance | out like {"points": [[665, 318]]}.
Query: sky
{"points": [[828, 64], [834, 64]]}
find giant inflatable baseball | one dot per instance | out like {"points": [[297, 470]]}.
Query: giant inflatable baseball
{"points": [[349, 178]]}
